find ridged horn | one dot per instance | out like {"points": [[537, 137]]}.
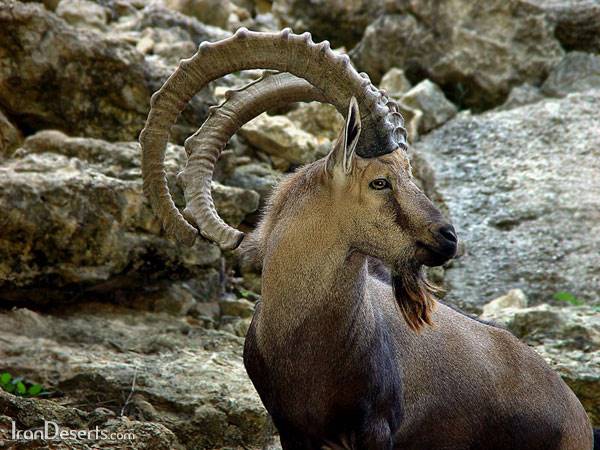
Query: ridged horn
{"points": [[332, 74], [205, 146]]}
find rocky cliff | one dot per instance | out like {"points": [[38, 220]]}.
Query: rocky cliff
{"points": [[128, 331]]}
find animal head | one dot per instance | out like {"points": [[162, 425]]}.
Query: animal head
{"points": [[366, 177], [374, 207], [384, 214]]}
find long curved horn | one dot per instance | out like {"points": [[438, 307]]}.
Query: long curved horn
{"points": [[205, 146], [383, 130]]}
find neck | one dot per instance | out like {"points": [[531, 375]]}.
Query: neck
{"points": [[311, 278]]}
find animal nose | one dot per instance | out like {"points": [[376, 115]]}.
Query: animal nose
{"points": [[447, 232], [445, 235]]}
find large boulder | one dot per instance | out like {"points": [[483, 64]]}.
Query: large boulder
{"points": [[522, 189], [475, 52], [53, 75], [319, 119], [75, 217]]}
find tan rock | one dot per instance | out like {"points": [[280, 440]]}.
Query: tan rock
{"points": [[280, 137], [319, 119], [394, 82], [515, 298], [428, 98]]}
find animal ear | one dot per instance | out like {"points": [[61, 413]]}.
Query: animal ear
{"points": [[342, 154]]}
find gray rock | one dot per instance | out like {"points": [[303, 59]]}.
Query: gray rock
{"points": [[238, 307], [476, 53], [341, 22], [430, 100], [521, 186], [580, 370], [171, 45], [190, 383], [53, 75], [159, 17], [210, 310], [77, 218], [577, 328], [522, 95], [577, 22], [258, 177], [173, 298], [577, 72], [30, 414], [234, 203]]}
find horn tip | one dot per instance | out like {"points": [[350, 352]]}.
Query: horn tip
{"points": [[185, 234], [233, 243]]}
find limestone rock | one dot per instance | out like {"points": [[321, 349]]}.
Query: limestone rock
{"points": [[341, 22], [521, 186], [515, 298], [475, 52], [577, 22], [238, 307], [394, 82], [581, 371], [259, 177], [280, 137], [212, 12], [319, 119], [53, 75], [577, 72], [83, 13], [30, 414], [522, 95], [190, 389], [77, 218], [234, 203], [158, 17], [430, 100]]}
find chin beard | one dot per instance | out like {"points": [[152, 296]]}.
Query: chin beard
{"points": [[415, 296]]}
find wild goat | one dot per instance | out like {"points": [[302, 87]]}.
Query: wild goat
{"points": [[338, 357]]}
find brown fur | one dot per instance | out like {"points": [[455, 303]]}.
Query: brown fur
{"points": [[415, 294], [333, 351]]}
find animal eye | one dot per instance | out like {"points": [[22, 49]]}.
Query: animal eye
{"points": [[380, 184]]}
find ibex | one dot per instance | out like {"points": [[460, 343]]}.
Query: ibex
{"points": [[340, 358]]}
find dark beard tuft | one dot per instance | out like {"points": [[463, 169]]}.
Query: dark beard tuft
{"points": [[415, 296]]}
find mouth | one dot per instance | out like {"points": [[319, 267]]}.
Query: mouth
{"points": [[432, 256]]}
